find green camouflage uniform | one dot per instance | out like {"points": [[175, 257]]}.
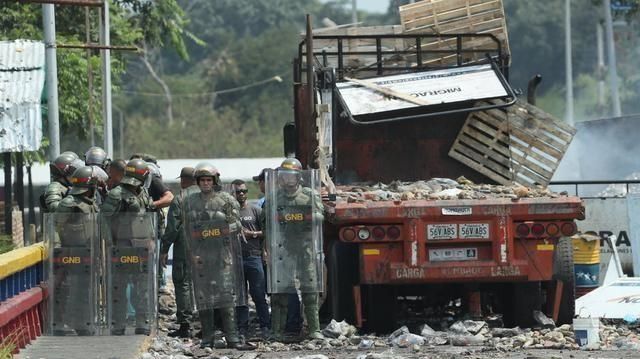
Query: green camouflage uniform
{"points": [[180, 273], [76, 223], [303, 253], [53, 194], [200, 208], [122, 200]]}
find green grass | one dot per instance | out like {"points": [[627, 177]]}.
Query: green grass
{"points": [[6, 244]]}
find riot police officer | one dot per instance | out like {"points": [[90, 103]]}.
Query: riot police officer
{"points": [[213, 228], [61, 170], [74, 295], [131, 232], [293, 216], [174, 235]]}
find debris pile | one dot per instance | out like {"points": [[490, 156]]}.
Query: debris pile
{"points": [[439, 189]]}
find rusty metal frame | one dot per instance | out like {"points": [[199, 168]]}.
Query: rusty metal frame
{"points": [[97, 47]]}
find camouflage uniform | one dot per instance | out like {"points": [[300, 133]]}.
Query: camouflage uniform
{"points": [[121, 206], [174, 235], [220, 291], [76, 224]]}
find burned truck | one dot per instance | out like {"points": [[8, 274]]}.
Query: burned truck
{"points": [[389, 125]]}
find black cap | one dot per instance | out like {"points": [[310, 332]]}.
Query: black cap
{"points": [[260, 177], [187, 172]]}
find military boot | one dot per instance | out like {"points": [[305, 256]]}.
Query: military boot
{"points": [[278, 316], [183, 332], [230, 331], [310, 302], [208, 329]]}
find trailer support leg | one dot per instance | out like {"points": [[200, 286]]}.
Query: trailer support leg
{"points": [[474, 304], [357, 299], [554, 299]]}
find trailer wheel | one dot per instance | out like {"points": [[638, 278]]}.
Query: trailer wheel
{"points": [[563, 270], [342, 264]]}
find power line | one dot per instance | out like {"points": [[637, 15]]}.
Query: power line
{"points": [[276, 78]]}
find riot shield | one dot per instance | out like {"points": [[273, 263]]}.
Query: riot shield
{"points": [[215, 254], [72, 270], [293, 211], [131, 261]]}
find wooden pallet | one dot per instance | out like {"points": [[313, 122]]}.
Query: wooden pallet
{"points": [[521, 144], [456, 16]]}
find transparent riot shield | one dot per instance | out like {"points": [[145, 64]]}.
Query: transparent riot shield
{"points": [[294, 215], [72, 273], [215, 253], [131, 264]]}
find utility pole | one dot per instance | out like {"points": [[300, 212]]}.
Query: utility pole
{"points": [[105, 40], [49, 24], [568, 61], [354, 12], [611, 55], [600, 69]]}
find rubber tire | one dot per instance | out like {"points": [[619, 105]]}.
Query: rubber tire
{"points": [[343, 274], [564, 270]]}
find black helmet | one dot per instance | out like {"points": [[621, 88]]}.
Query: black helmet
{"points": [[96, 156], [135, 173], [205, 169], [83, 180], [62, 166]]}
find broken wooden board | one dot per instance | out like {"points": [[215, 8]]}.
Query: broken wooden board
{"points": [[455, 17], [520, 144]]}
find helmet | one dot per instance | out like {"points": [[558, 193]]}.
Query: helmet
{"points": [[75, 155], [205, 169], [83, 180], [62, 166], [135, 173], [289, 173], [290, 163], [96, 156]]}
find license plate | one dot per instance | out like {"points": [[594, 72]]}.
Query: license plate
{"points": [[453, 254], [474, 230], [442, 231]]}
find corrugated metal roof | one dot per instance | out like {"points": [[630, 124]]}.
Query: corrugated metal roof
{"points": [[21, 83], [21, 87], [21, 55]]}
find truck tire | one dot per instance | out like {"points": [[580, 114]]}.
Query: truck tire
{"points": [[342, 263], [563, 270]]}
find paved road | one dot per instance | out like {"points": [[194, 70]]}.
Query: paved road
{"points": [[98, 347]]}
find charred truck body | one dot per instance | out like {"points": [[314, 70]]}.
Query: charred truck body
{"points": [[389, 260]]}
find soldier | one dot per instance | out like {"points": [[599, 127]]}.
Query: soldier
{"points": [[131, 231], [61, 169], [97, 158], [293, 218], [75, 220], [174, 234], [213, 227], [116, 173]]}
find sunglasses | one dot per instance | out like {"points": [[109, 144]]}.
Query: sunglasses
{"points": [[242, 191]]}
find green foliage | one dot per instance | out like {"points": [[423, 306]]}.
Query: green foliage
{"points": [[6, 245]]}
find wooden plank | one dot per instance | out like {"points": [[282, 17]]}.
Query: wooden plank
{"points": [[388, 92], [453, 15], [425, 9], [474, 23], [530, 146], [479, 167]]}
